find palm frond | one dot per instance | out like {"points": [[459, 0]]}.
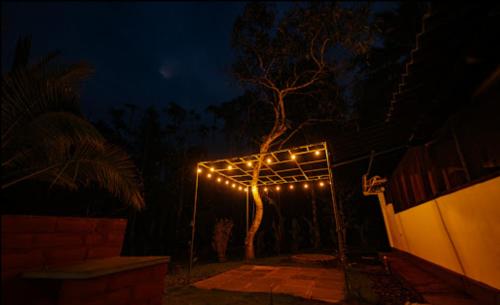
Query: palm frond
{"points": [[45, 137], [82, 164]]}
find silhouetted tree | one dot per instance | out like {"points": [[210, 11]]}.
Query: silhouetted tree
{"points": [[299, 53]]}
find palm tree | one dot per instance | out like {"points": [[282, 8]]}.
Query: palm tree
{"points": [[46, 137]]}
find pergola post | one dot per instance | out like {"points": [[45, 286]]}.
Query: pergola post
{"points": [[248, 194], [336, 213], [193, 224]]}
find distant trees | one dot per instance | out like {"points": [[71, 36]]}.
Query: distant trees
{"points": [[305, 52], [45, 137], [165, 143]]}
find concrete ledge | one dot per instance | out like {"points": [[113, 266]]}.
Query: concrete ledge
{"points": [[96, 267], [482, 293]]}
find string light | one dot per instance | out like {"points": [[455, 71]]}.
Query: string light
{"points": [[265, 189], [269, 160], [227, 181], [321, 184], [246, 190], [209, 175], [234, 185], [293, 157], [219, 179], [291, 186], [199, 170], [211, 169], [278, 188], [249, 164], [306, 185], [229, 167], [240, 188], [317, 153]]}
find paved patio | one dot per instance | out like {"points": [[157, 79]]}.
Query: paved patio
{"points": [[324, 284]]}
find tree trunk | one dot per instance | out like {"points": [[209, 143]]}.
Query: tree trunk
{"points": [[259, 210], [317, 236], [278, 129]]}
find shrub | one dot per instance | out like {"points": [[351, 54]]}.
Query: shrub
{"points": [[222, 233]]}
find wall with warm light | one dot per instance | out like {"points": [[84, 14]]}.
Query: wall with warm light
{"points": [[458, 231]]}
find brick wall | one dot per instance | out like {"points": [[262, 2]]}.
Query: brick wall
{"points": [[32, 242]]}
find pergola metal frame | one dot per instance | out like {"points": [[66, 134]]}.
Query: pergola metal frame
{"points": [[302, 164]]}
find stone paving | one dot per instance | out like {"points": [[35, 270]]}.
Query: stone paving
{"points": [[324, 284]]}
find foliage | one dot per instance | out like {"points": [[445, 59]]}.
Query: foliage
{"points": [[45, 136], [222, 233], [165, 142]]}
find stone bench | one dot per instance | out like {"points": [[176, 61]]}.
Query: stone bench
{"points": [[113, 280]]}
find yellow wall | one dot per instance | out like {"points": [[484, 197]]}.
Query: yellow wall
{"points": [[459, 231]]}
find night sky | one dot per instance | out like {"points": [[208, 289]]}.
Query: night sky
{"points": [[146, 54], [143, 53]]}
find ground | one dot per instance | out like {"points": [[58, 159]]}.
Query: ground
{"points": [[368, 285]]}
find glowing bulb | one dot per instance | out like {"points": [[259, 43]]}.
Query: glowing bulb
{"points": [[209, 175], [211, 169], [293, 157], [229, 167], [316, 153], [199, 170], [249, 164], [227, 182], [321, 184], [265, 189], [291, 186], [278, 188], [219, 179], [240, 188], [306, 185], [269, 160], [246, 190], [234, 185]]}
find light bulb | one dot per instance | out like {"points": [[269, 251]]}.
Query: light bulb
{"points": [[291, 186], [265, 189], [199, 170], [227, 182], [234, 185], [240, 188], [211, 169], [306, 185], [317, 153], [209, 175], [219, 179], [269, 160], [249, 164], [278, 188], [293, 157], [321, 184], [229, 167]]}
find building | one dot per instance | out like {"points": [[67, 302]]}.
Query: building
{"points": [[441, 203]]}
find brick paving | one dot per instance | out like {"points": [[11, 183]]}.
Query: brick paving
{"points": [[323, 284]]}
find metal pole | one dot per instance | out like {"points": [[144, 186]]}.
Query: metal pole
{"points": [[248, 195], [193, 224], [336, 212]]}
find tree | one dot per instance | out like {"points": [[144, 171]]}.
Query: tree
{"points": [[302, 52], [45, 136]]}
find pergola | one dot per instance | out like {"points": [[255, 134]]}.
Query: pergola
{"points": [[285, 169]]}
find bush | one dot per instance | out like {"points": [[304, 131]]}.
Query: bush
{"points": [[222, 233]]}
